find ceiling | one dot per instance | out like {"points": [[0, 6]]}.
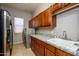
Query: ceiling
{"points": [[30, 7]]}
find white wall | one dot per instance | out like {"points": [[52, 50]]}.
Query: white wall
{"points": [[68, 22], [41, 8], [21, 14]]}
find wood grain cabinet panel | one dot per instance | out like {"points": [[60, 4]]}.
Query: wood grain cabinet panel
{"points": [[51, 48], [48, 52], [47, 17], [37, 47], [41, 19], [56, 7], [30, 24], [62, 53], [44, 19], [41, 48], [59, 6]]}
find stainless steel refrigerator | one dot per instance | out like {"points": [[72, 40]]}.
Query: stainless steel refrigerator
{"points": [[6, 33]]}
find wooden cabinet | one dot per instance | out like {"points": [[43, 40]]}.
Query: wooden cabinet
{"points": [[51, 48], [48, 52], [35, 23], [47, 18], [41, 48], [44, 19], [47, 21], [31, 24], [39, 19], [58, 6], [62, 53], [37, 47], [33, 44]]}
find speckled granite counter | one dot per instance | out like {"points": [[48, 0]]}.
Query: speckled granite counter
{"points": [[65, 45], [42, 37]]}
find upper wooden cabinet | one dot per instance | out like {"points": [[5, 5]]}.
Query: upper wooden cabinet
{"points": [[58, 6], [31, 24], [44, 19], [47, 18], [47, 21]]}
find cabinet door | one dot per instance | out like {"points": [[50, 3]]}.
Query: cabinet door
{"points": [[34, 22], [39, 20], [48, 53], [31, 24], [32, 43], [37, 47], [40, 48], [47, 20], [51, 48], [62, 53], [56, 7]]}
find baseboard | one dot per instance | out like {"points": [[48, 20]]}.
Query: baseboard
{"points": [[17, 42]]}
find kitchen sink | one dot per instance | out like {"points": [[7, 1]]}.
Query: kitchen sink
{"points": [[76, 44]]}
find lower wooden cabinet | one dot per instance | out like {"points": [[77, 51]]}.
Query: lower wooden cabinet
{"points": [[37, 46], [51, 48], [48, 52], [41, 48], [33, 45], [62, 53]]}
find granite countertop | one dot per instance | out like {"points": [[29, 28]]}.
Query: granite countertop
{"points": [[65, 45], [42, 37]]}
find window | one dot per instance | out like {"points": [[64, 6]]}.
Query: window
{"points": [[18, 23]]}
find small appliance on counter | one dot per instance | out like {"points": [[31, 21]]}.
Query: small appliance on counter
{"points": [[6, 33]]}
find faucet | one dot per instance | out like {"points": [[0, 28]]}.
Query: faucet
{"points": [[64, 35]]}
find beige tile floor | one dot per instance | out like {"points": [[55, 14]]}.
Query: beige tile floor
{"points": [[20, 50]]}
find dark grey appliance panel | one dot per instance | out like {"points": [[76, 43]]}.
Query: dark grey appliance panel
{"points": [[1, 32], [6, 33]]}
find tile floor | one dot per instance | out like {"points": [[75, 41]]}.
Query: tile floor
{"points": [[20, 50]]}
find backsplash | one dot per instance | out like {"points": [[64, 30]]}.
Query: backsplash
{"points": [[69, 22]]}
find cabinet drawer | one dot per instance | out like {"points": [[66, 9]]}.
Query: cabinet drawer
{"points": [[51, 48], [62, 53], [48, 52], [40, 42]]}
